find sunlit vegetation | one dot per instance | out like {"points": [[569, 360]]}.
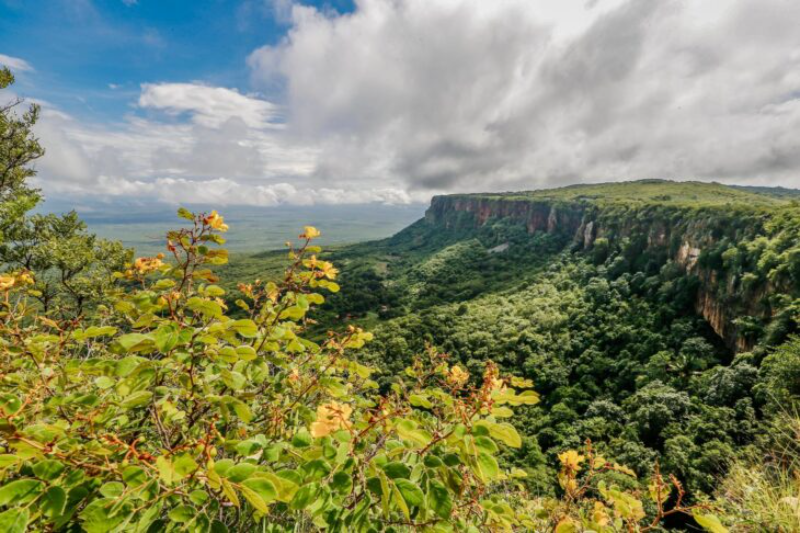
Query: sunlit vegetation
{"points": [[464, 378]]}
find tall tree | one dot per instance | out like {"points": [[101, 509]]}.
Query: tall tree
{"points": [[72, 266]]}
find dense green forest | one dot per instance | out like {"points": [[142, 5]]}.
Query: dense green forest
{"points": [[616, 357], [612, 332]]}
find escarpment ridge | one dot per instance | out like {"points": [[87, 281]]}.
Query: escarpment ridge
{"points": [[741, 247]]}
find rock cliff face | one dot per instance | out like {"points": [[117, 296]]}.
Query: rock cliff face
{"points": [[674, 234]]}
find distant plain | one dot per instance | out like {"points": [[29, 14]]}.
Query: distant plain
{"points": [[252, 229]]}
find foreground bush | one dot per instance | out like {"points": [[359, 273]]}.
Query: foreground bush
{"points": [[162, 412]]}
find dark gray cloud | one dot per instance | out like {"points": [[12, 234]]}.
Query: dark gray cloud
{"points": [[472, 95]]}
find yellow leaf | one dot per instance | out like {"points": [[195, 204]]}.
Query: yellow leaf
{"points": [[255, 500], [401, 502], [709, 522], [310, 232], [230, 493], [571, 460], [566, 525]]}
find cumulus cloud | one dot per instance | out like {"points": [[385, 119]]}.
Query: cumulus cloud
{"points": [[208, 106], [458, 95], [16, 64], [402, 99], [195, 143]]}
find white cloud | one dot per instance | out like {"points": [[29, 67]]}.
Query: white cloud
{"points": [[216, 146], [208, 106], [403, 99], [16, 64], [228, 163], [475, 95]]}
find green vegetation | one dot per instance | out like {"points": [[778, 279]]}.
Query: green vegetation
{"points": [[542, 368], [655, 192], [74, 267], [610, 334]]}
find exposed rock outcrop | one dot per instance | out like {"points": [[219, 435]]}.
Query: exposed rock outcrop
{"points": [[680, 233]]}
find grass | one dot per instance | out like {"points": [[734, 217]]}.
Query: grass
{"points": [[762, 493], [659, 192]]}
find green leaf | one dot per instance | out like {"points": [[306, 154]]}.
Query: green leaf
{"points": [[709, 522], [316, 469], [439, 500], [167, 337], [205, 307], [184, 465], [48, 470], [243, 411], [486, 467], [246, 353], [99, 331], [198, 497], [8, 459], [9, 403], [182, 513], [502, 412], [166, 471], [133, 341], [302, 439], [410, 491], [417, 400], [104, 382], [431, 461], [137, 399], [233, 380], [341, 482], [218, 527], [134, 476], [230, 493], [407, 430], [98, 517], [113, 489], [248, 447], [245, 328], [395, 470], [240, 472], [263, 487], [214, 290], [304, 496], [185, 213], [20, 491], [486, 444], [506, 433], [397, 497], [14, 521], [53, 502], [286, 488]]}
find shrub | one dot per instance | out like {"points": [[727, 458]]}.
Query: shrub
{"points": [[161, 412]]}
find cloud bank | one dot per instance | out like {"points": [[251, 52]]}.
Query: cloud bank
{"points": [[475, 95], [402, 99]]}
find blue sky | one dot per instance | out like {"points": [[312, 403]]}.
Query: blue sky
{"points": [[271, 102], [81, 48]]}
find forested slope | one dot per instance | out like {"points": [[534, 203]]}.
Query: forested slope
{"points": [[642, 311]]}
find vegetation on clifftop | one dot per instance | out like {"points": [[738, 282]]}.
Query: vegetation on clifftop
{"points": [[653, 192]]}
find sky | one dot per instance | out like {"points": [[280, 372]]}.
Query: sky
{"points": [[271, 102]]}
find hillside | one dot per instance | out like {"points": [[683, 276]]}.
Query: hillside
{"points": [[712, 232], [642, 311]]}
